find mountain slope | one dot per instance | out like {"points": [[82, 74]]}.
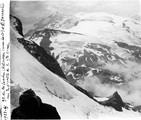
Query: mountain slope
{"points": [[51, 21], [27, 72], [105, 54]]}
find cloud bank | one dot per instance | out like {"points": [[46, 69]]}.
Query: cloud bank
{"points": [[130, 91], [31, 12]]}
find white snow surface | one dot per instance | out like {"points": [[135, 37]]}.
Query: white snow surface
{"points": [[101, 99], [101, 28], [28, 73]]}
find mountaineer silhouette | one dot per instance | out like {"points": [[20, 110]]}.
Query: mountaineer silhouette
{"points": [[31, 107]]}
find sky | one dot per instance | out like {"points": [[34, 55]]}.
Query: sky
{"points": [[30, 12]]}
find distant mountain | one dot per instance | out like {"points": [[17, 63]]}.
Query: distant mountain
{"points": [[32, 67], [99, 45], [51, 21]]}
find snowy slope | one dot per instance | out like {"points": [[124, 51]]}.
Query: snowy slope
{"points": [[104, 28], [50, 21], [103, 57], [27, 72]]}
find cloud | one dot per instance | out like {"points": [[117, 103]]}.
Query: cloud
{"points": [[70, 6], [130, 91], [95, 87], [28, 9], [130, 70], [31, 12]]}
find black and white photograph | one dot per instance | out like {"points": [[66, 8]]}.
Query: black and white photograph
{"points": [[75, 59]]}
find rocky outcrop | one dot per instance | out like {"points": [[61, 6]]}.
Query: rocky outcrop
{"points": [[40, 54], [45, 36], [137, 108], [44, 58], [35, 50], [16, 24], [50, 63], [114, 101]]}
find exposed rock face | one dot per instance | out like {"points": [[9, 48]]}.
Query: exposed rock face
{"points": [[42, 37], [17, 24], [107, 47], [51, 63], [35, 50], [40, 54], [108, 40], [114, 101], [137, 108]]}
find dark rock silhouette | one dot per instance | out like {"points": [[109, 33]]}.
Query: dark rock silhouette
{"points": [[31, 107], [36, 51], [135, 50], [137, 108], [114, 101], [16, 24], [46, 34], [42, 56]]}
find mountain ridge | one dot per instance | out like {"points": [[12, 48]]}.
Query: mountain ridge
{"points": [[27, 72]]}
